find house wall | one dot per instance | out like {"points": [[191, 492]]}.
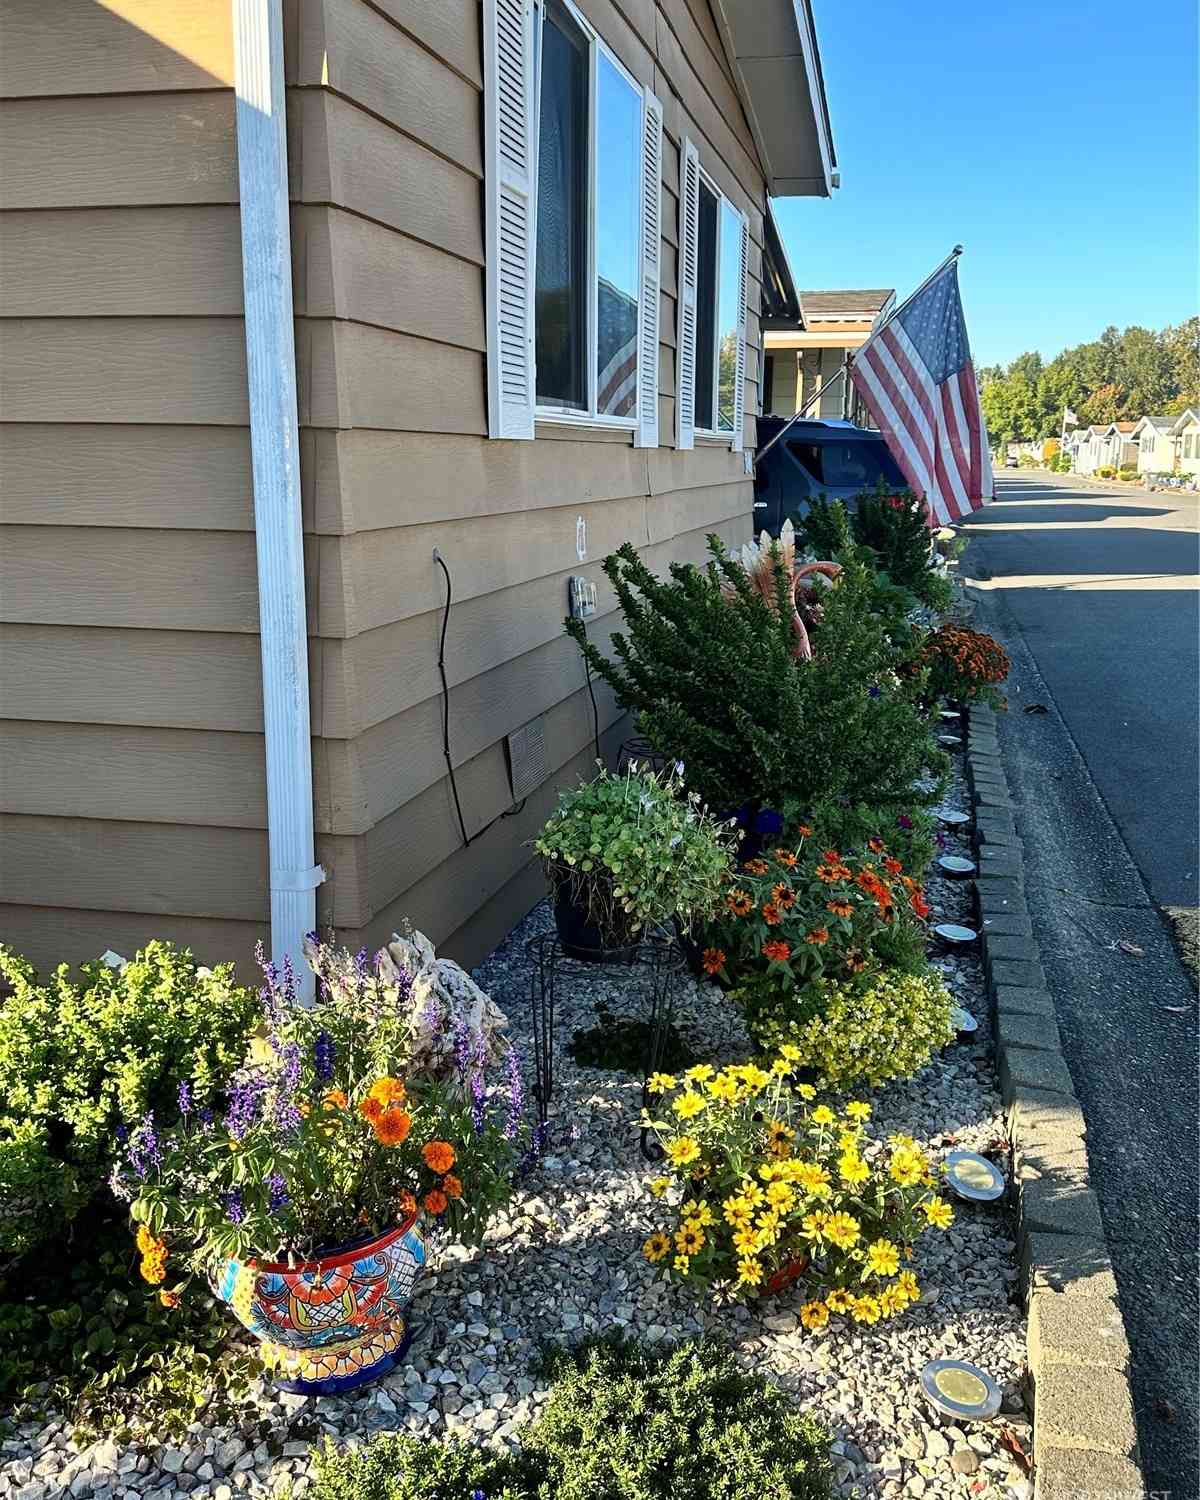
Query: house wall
{"points": [[132, 790], [1187, 441], [387, 105]]}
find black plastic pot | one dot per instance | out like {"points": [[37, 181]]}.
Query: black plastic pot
{"points": [[584, 940]]}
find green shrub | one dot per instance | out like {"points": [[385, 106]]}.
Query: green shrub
{"points": [[910, 832], [79, 1058], [1106, 471], [621, 1423], [715, 684], [1129, 472], [854, 1034], [895, 528]]}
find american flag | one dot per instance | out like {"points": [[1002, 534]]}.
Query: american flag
{"points": [[917, 380]]}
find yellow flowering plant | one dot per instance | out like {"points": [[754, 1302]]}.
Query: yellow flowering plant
{"points": [[762, 1188]]}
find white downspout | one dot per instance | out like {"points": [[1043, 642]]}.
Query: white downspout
{"points": [[275, 452]]}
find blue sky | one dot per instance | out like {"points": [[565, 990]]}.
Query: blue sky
{"points": [[1056, 141]]}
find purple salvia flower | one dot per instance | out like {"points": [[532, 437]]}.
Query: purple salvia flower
{"points": [[362, 962], [277, 1186], [323, 1052], [185, 1098], [206, 1118], [516, 1096], [245, 1102], [477, 1089], [144, 1151], [462, 1047], [233, 1206]]}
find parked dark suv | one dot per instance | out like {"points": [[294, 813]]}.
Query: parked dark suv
{"points": [[834, 459]]}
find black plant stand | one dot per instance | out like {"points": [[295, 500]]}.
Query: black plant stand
{"points": [[655, 964]]}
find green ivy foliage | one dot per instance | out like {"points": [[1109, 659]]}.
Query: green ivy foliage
{"points": [[622, 1422], [80, 1056]]}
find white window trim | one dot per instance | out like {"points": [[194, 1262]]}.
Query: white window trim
{"points": [[723, 435], [570, 414]]}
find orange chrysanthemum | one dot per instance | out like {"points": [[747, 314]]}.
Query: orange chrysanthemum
{"points": [[435, 1201], [452, 1186], [392, 1127], [776, 949], [713, 960], [817, 936], [840, 908], [439, 1156]]}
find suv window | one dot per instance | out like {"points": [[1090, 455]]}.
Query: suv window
{"points": [[843, 464]]}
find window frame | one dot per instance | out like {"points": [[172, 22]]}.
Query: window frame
{"points": [[719, 434], [569, 415]]}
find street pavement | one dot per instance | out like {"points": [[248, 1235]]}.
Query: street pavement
{"points": [[1094, 592]]}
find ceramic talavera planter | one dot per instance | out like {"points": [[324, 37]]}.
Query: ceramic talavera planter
{"points": [[335, 1322]]}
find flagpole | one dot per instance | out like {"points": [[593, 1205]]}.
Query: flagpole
{"points": [[849, 360]]}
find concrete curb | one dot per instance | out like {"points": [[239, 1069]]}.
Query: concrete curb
{"points": [[1084, 1434]]}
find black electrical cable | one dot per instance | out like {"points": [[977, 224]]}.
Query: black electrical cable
{"points": [[587, 668], [437, 557]]}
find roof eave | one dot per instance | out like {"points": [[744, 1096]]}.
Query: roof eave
{"points": [[772, 49]]}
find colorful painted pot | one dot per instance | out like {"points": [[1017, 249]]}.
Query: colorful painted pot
{"points": [[332, 1323]]}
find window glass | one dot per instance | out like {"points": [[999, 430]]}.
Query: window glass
{"points": [[560, 307], [844, 464], [618, 262], [706, 308], [728, 315]]}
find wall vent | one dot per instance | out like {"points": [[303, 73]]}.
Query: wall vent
{"points": [[527, 758]]}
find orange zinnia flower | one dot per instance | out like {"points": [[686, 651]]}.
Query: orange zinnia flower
{"points": [[783, 895], [893, 866], [840, 908], [756, 866], [387, 1091], [452, 1186], [919, 905], [392, 1127], [370, 1108], [818, 935], [855, 962], [772, 916], [786, 857], [713, 960], [439, 1156], [776, 949], [739, 903], [831, 856], [435, 1201], [334, 1099], [804, 831], [829, 874], [875, 846]]}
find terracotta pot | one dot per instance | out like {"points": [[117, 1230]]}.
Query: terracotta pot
{"points": [[335, 1322]]}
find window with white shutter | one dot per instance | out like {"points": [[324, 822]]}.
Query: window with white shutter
{"points": [[714, 248], [574, 170]]}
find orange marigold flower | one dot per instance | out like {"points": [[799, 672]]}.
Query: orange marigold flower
{"points": [[435, 1201], [145, 1240], [817, 936], [713, 960], [439, 1156], [840, 908], [776, 949], [893, 866], [739, 902], [452, 1186], [169, 1299], [154, 1267], [757, 866], [370, 1108], [392, 1127], [772, 916], [334, 1099], [786, 857], [876, 846], [387, 1091]]}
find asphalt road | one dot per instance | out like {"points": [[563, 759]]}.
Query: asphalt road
{"points": [[1094, 593]]}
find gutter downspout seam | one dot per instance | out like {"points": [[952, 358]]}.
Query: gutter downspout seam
{"points": [[275, 459]]}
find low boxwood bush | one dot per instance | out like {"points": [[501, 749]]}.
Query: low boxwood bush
{"points": [[622, 1422], [853, 1034], [82, 1058]]}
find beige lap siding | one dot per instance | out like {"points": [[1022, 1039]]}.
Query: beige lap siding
{"points": [[128, 645]]}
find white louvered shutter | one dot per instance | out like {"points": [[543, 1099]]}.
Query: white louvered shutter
{"points": [[685, 334], [510, 166], [739, 377], [652, 118]]}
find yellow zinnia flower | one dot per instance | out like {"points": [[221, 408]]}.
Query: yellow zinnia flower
{"points": [[839, 1300], [907, 1166], [891, 1301], [745, 1240], [681, 1150], [656, 1247], [842, 1230], [806, 1091], [822, 1115], [781, 1196], [938, 1212], [694, 1209], [689, 1105], [724, 1088], [700, 1073], [883, 1257], [815, 1226], [865, 1310], [659, 1186], [907, 1285], [814, 1315], [737, 1211], [690, 1238], [813, 1179], [660, 1083], [749, 1271], [852, 1169], [857, 1110], [792, 1054], [681, 1264]]}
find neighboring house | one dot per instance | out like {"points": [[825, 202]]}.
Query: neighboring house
{"points": [[1155, 445], [803, 354], [1122, 445], [1185, 430], [526, 330], [1094, 448], [1072, 444]]}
